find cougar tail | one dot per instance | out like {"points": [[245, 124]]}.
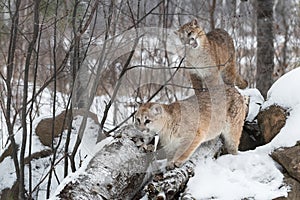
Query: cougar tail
{"points": [[240, 82]]}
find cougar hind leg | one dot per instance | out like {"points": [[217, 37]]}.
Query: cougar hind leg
{"points": [[231, 138]]}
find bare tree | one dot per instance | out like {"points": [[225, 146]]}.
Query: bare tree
{"points": [[10, 67], [31, 48], [212, 14]]}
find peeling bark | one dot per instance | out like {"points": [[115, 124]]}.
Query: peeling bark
{"points": [[118, 171]]}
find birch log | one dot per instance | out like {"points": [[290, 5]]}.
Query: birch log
{"points": [[118, 171], [121, 170]]}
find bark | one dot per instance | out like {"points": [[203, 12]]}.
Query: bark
{"points": [[8, 81], [30, 51], [211, 14], [118, 171]]}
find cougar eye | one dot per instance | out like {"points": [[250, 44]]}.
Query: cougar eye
{"points": [[189, 34], [147, 121]]}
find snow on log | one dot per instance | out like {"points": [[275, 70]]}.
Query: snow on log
{"points": [[171, 184], [117, 171]]}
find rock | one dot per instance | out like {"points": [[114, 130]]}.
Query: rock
{"points": [[270, 121], [289, 158], [61, 123], [294, 193], [44, 128], [10, 193]]}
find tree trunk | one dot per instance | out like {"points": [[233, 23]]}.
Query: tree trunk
{"points": [[265, 46]]}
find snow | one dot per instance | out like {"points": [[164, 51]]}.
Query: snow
{"points": [[7, 179], [285, 91], [255, 102], [247, 175], [253, 174]]}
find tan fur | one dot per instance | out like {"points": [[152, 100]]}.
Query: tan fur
{"points": [[184, 125], [212, 54]]}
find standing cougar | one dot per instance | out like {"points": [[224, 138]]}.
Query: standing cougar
{"points": [[212, 55], [184, 125]]}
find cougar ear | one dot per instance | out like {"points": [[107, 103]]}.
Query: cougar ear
{"points": [[156, 109], [194, 22]]}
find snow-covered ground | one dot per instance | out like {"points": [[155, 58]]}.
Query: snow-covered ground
{"points": [[253, 174]]}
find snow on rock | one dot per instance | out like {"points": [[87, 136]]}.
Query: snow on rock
{"points": [[288, 135], [253, 174], [285, 91]]}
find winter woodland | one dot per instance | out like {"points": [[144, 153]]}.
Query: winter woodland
{"points": [[73, 73]]}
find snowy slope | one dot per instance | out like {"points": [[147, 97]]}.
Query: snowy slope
{"points": [[253, 174]]}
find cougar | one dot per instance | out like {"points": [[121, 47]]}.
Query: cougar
{"points": [[184, 125], [211, 56]]}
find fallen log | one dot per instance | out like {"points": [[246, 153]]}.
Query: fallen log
{"points": [[124, 166], [118, 171]]}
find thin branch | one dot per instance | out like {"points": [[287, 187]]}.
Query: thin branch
{"points": [[25, 95], [10, 67], [153, 95]]}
